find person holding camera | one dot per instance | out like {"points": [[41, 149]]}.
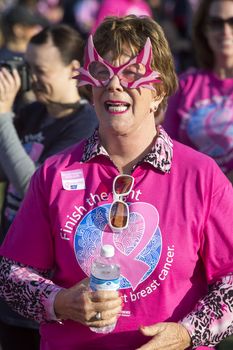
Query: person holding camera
{"points": [[59, 118]]}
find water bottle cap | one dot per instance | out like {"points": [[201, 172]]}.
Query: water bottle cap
{"points": [[107, 251]]}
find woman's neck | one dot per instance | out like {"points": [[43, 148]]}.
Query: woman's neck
{"points": [[127, 150], [19, 46], [63, 108], [224, 68]]}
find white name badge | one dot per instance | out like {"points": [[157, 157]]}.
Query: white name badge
{"points": [[73, 180]]}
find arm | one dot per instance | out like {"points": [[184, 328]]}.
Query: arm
{"points": [[28, 291], [207, 325], [212, 318], [15, 164], [32, 294]]}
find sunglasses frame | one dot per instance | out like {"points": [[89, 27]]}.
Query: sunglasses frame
{"points": [[144, 56], [118, 71], [117, 198], [217, 23]]}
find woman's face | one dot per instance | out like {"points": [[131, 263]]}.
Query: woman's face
{"points": [[51, 79], [219, 33], [123, 110]]}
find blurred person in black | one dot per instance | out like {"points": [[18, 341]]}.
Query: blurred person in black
{"points": [[81, 14], [53, 10], [175, 17], [59, 118], [18, 24]]}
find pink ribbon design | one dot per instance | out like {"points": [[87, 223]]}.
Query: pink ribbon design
{"points": [[129, 243]]}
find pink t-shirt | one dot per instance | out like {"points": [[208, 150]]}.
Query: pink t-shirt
{"points": [[200, 115], [179, 238]]}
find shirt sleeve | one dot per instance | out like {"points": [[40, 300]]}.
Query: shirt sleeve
{"points": [[30, 239], [211, 321], [15, 163], [216, 240], [28, 291]]}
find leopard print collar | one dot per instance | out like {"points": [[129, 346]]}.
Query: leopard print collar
{"points": [[160, 156]]}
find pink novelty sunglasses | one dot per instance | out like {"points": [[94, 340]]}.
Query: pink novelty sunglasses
{"points": [[134, 73]]}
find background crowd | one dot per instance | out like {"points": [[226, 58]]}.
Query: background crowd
{"points": [[84, 15], [23, 20]]}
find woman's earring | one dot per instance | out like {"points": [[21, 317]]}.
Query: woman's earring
{"points": [[153, 109]]}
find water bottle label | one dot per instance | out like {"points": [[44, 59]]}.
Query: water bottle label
{"points": [[100, 284]]}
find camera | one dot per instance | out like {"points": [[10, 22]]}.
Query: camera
{"points": [[22, 68]]}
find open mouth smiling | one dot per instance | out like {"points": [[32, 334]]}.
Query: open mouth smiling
{"points": [[116, 106]]}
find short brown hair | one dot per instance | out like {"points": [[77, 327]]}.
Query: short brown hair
{"points": [[203, 52], [114, 32], [69, 43], [67, 40]]}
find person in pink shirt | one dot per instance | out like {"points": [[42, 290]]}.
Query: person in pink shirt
{"points": [[166, 209], [121, 8], [200, 114]]}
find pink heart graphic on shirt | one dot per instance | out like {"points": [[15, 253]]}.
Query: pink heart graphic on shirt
{"points": [[127, 251], [127, 240]]}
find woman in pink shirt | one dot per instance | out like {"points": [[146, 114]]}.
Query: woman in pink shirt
{"points": [[200, 114], [166, 209]]}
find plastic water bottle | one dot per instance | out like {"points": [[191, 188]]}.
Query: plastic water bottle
{"points": [[105, 275]]}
